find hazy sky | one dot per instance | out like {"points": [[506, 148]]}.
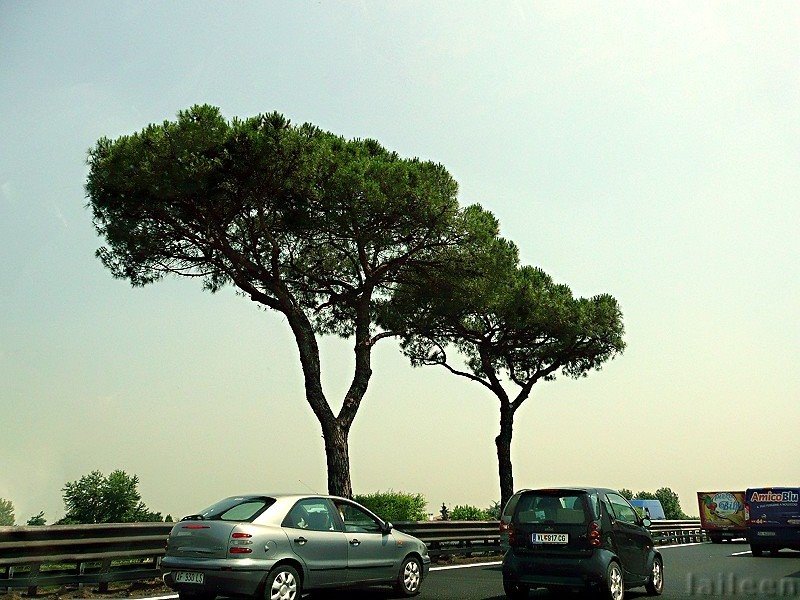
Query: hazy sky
{"points": [[647, 150]]}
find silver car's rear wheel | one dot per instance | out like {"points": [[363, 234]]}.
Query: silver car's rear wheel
{"points": [[283, 583], [410, 577]]}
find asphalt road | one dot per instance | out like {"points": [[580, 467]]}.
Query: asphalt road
{"points": [[701, 570]]}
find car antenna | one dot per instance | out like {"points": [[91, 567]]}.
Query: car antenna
{"points": [[309, 487]]}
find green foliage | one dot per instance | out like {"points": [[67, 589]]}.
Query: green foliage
{"points": [[293, 216], [494, 511], [506, 318], [6, 512], [95, 498], [626, 493], [646, 496], [395, 506], [469, 513], [37, 519], [671, 503]]}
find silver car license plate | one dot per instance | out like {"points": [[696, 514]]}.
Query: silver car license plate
{"points": [[188, 577], [550, 538]]}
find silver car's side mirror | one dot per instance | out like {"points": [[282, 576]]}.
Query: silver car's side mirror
{"points": [[387, 527]]}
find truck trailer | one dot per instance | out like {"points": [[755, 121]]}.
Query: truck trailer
{"points": [[722, 515], [773, 519]]}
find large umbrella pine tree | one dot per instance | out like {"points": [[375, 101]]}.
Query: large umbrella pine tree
{"points": [[304, 222]]}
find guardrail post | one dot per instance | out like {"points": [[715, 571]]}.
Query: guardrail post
{"points": [[32, 574], [105, 567]]}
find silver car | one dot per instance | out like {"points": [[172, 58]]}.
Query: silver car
{"points": [[275, 546]]}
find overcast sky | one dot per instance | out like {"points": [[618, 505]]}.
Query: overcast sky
{"points": [[646, 150]]}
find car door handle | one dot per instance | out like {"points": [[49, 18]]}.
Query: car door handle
{"points": [[300, 541], [354, 542]]}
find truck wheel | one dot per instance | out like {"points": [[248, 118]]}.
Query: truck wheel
{"points": [[715, 538], [756, 550]]}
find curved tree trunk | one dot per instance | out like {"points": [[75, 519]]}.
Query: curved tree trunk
{"points": [[503, 443], [335, 428]]}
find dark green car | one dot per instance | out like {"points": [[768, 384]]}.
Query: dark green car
{"points": [[578, 538]]}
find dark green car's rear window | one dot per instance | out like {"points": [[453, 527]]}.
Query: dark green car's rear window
{"points": [[243, 509], [563, 508]]}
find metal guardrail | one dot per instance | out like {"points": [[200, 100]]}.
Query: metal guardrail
{"points": [[474, 537], [455, 537], [32, 557], [668, 533]]}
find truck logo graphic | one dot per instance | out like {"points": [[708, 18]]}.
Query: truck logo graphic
{"points": [[778, 497]]}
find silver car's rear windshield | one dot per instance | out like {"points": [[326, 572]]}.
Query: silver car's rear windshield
{"points": [[560, 508], [240, 509]]}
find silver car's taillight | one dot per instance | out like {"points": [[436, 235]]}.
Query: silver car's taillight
{"points": [[239, 543]]}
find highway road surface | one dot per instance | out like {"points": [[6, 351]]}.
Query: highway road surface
{"points": [[692, 571], [725, 570]]}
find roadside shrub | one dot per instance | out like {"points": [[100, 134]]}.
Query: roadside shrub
{"points": [[395, 506], [469, 513]]}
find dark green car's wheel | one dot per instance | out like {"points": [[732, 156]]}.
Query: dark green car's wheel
{"points": [[655, 582], [409, 579], [614, 585], [515, 591], [283, 583]]}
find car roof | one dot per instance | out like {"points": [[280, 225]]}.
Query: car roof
{"points": [[290, 496], [571, 488], [284, 502]]}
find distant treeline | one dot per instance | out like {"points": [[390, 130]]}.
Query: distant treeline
{"points": [[95, 498], [669, 501]]}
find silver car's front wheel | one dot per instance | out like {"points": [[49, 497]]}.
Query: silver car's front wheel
{"points": [[410, 577], [283, 583]]}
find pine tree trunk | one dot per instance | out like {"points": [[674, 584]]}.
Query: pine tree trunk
{"points": [[335, 429], [503, 443], [338, 456]]}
